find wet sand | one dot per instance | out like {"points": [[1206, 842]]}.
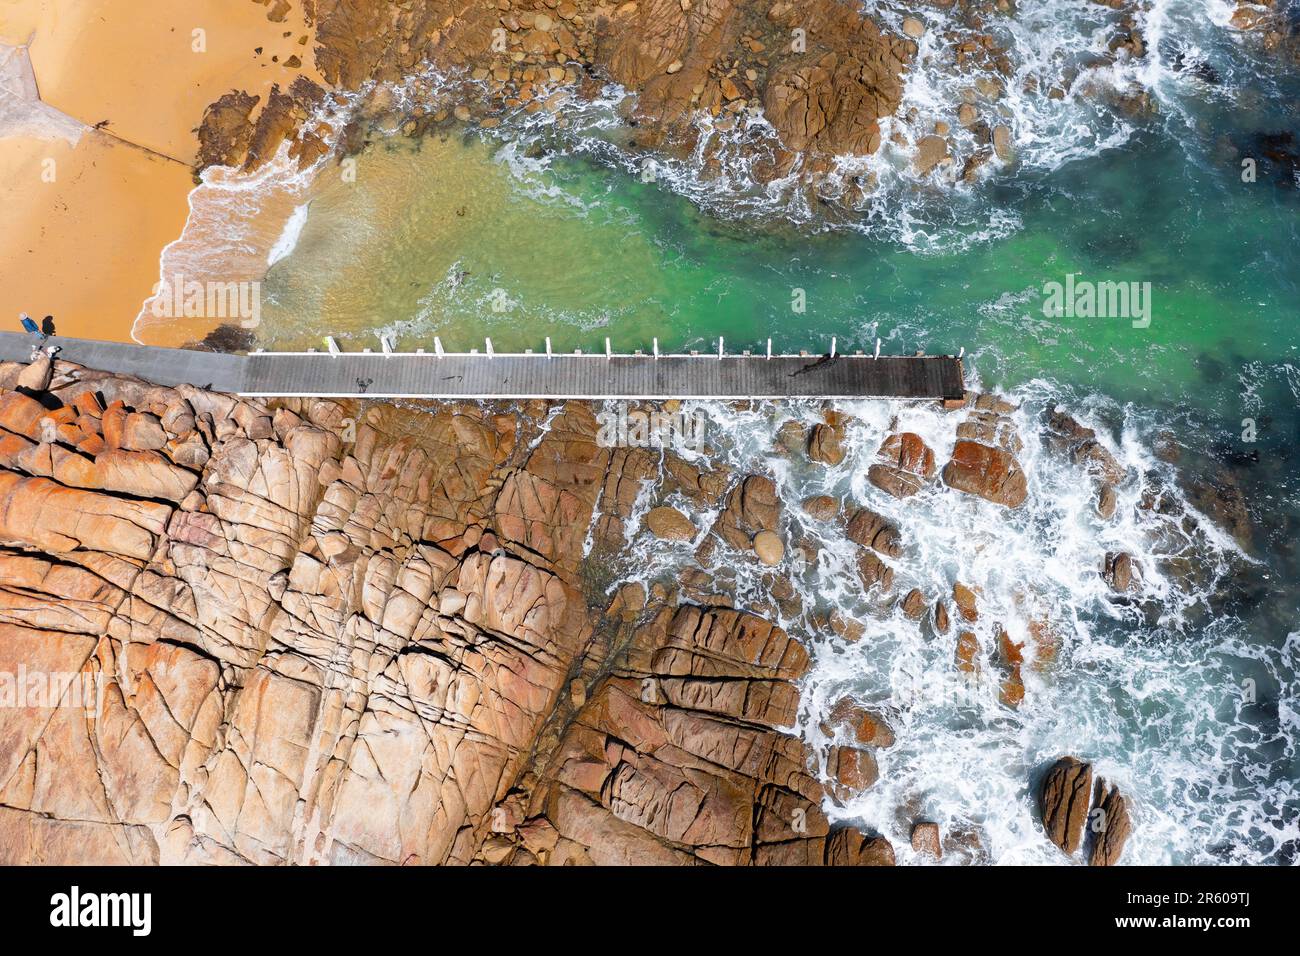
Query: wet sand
{"points": [[88, 215]]}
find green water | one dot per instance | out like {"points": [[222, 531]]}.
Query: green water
{"points": [[578, 253]]}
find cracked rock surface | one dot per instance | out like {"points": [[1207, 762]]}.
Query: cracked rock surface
{"points": [[335, 632]]}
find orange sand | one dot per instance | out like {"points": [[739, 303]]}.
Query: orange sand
{"points": [[85, 248]]}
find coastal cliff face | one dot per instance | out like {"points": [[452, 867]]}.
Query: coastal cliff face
{"points": [[317, 633]]}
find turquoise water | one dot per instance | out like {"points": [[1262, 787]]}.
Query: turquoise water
{"points": [[580, 252], [541, 229]]}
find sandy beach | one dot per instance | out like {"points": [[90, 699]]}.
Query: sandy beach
{"points": [[89, 211]]}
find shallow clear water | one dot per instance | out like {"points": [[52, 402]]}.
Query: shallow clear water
{"points": [[543, 229]]}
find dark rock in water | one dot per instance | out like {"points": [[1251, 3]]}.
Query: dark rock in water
{"points": [[1063, 802], [1118, 571], [1106, 502], [1182, 61], [1110, 826], [1212, 370], [965, 844], [967, 653], [941, 622], [872, 571], [853, 770], [906, 461], [868, 728], [752, 506], [791, 437], [1167, 449], [965, 599], [821, 507], [849, 847], [894, 481], [226, 338], [1080, 443], [1224, 503], [1279, 153]]}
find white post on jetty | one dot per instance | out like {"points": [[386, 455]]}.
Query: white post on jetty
{"points": [[719, 348], [488, 342], [877, 355], [656, 342], [609, 354], [548, 346], [769, 348], [833, 346], [437, 346], [332, 345]]}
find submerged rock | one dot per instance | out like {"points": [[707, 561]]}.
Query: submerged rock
{"points": [[867, 727]]}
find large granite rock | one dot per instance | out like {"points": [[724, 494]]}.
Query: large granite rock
{"points": [[991, 473], [316, 635]]}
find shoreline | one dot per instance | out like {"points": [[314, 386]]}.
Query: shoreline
{"points": [[91, 216]]}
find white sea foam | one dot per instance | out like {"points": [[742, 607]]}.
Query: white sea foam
{"points": [[1064, 96], [288, 240], [1148, 690]]}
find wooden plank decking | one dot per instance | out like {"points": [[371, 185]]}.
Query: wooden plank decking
{"points": [[478, 375]]}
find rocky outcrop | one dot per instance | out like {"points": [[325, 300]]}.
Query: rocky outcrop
{"points": [[983, 459], [326, 632], [307, 628], [1064, 805], [822, 72], [674, 758]]}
